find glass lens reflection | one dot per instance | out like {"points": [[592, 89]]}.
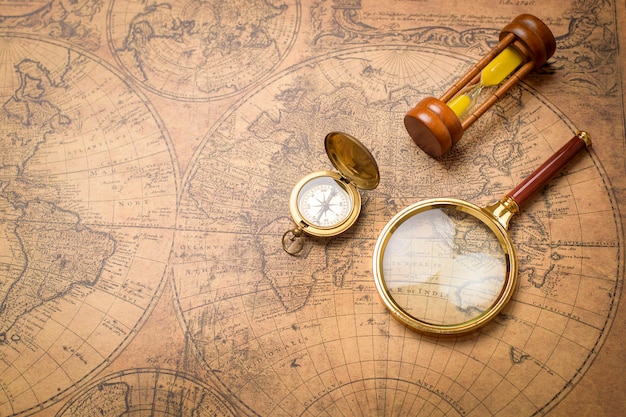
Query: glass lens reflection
{"points": [[444, 266]]}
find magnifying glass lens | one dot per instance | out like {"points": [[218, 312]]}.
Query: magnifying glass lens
{"points": [[444, 266]]}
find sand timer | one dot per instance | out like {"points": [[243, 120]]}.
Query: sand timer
{"points": [[437, 124]]}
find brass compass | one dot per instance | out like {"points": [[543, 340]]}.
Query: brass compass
{"points": [[327, 203]]}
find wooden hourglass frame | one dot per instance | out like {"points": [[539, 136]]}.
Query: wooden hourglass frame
{"points": [[435, 127]]}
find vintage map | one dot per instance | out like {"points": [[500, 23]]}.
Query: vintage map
{"points": [[149, 149]]}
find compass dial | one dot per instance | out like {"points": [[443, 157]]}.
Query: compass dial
{"points": [[324, 202]]}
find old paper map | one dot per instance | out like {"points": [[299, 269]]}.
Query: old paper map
{"points": [[148, 151]]}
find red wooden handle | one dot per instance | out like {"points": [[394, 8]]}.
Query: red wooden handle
{"points": [[545, 172]]}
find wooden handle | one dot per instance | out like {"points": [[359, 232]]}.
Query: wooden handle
{"points": [[545, 172]]}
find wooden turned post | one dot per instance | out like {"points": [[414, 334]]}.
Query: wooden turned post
{"points": [[435, 128]]}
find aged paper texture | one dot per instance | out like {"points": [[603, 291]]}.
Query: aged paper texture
{"points": [[148, 153]]}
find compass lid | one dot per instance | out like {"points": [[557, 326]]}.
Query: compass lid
{"points": [[352, 159]]}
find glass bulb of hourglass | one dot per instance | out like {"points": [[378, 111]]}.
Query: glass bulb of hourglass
{"points": [[493, 74], [465, 100]]}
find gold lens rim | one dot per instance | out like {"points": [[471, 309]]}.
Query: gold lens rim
{"points": [[481, 214]]}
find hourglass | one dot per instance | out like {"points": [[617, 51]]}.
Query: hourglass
{"points": [[437, 124]]}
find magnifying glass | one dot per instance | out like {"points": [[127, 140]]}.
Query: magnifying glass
{"points": [[447, 266]]}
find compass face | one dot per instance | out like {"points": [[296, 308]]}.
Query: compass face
{"points": [[324, 202]]}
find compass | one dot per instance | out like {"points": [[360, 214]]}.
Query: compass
{"points": [[327, 203]]}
